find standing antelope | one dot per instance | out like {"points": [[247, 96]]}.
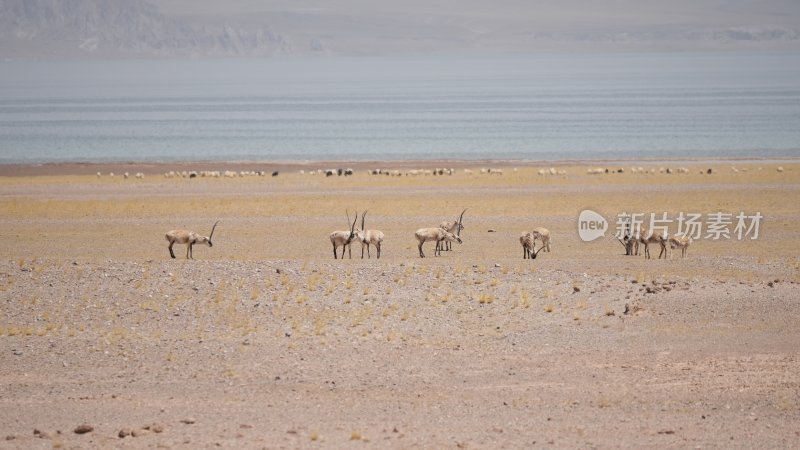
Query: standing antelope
{"points": [[647, 237], [367, 237], [190, 238], [627, 240], [344, 238], [434, 234], [543, 234], [528, 241], [631, 238], [453, 226], [680, 241]]}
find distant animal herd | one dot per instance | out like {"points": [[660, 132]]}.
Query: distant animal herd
{"points": [[551, 171], [448, 231], [445, 234]]}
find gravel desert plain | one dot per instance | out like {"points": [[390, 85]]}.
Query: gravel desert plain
{"points": [[265, 341]]}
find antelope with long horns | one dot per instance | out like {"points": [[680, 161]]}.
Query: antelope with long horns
{"points": [[452, 226], [369, 237], [434, 234], [189, 238], [344, 238]]}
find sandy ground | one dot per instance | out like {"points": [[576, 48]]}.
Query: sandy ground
{"points": [[264, 341]]}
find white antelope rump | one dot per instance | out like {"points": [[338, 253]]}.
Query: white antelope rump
{"points": [[680, 241], [647, 237], [369, 237], [189, 238], [344, 238], [454, 227], [528, 241], [434, 234]]}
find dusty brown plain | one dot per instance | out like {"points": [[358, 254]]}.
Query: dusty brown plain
{"points": [[264, 341]]}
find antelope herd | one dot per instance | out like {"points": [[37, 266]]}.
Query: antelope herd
{"points": [[637, 236], [450, 231], [549, 171]]}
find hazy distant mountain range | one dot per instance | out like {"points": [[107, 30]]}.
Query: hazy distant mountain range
{"points": [[114, 28], [136, 28]]}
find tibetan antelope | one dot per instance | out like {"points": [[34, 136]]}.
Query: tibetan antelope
{"points": [[647, 237], [434, 234], [628, 241], [344, 238], [680, 241], [452, 226], [631, 238], [367, 237], [542, 234], [189, 238], [528, 241]]}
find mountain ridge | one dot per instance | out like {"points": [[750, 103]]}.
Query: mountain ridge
{"points": [[136, 28], [108, 28]]}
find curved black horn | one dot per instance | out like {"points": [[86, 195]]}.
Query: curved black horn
{"points": [[362, 220], [537, 251], [353, 226], [212, 230], [458, 224]]}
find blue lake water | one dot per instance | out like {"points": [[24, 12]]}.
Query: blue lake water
{"points": [[535, 107]]}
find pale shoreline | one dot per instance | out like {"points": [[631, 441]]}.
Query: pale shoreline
{"points": [[159, 167]]}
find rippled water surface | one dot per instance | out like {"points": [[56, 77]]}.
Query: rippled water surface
{"points": [[511, 107]]}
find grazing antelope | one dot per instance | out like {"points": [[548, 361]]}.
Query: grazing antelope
{"points": [[647, 237], [528, 241], [452, 226], [680, 241], [434, 234], [344, 238], [190, 238], [367, 237]]}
